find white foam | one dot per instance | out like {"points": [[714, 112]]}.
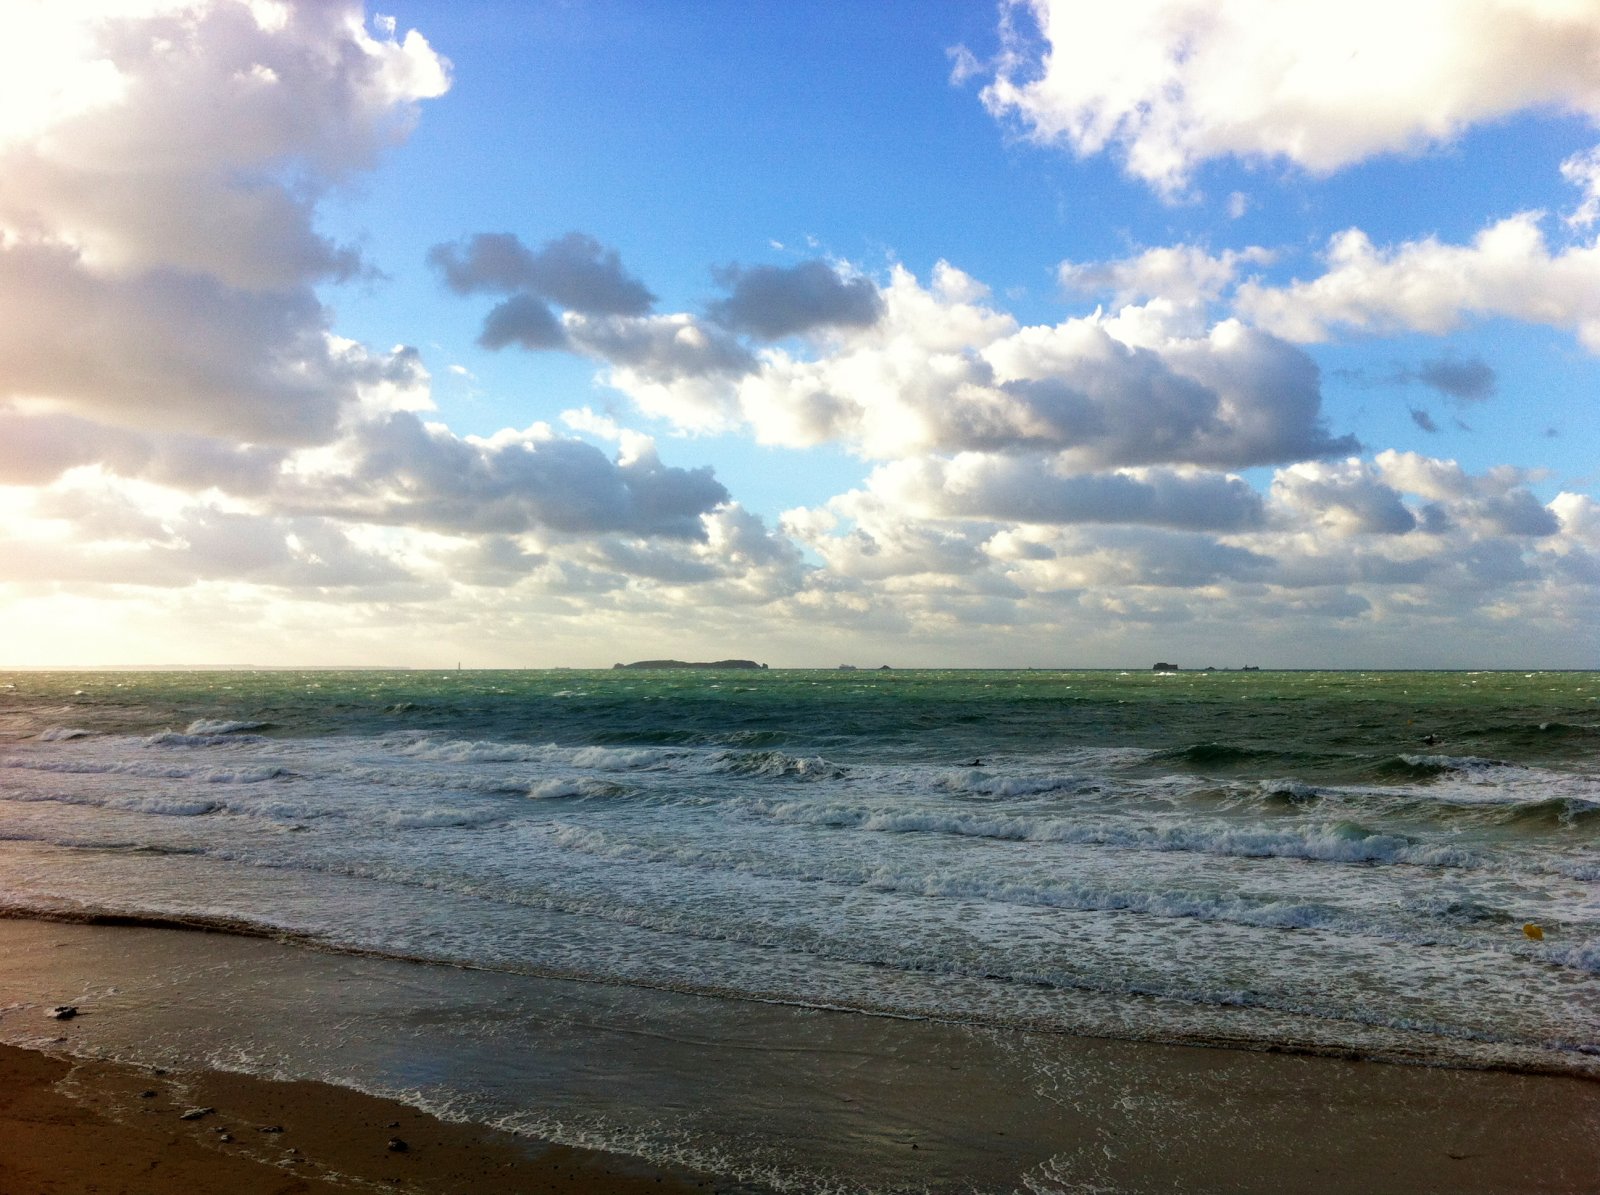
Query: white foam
{"points": [[619, 759], [57, 734], [573, 786], [441, 817], [1585, 956], [243, 775], [208, 726], [171, 738], [1333, 842]]}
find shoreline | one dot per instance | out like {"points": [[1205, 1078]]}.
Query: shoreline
{"points": [[696, 1093], [71, 1125]]}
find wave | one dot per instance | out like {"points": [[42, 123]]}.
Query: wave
{"points": [[442, 817], [777, 764], [1216, 755], [1551, 812], [218, 726], [465, 751], [1233, 908], [58, 734], [575, 786], [1328, 842], [148, 771], [162, 806], [172, 738]]}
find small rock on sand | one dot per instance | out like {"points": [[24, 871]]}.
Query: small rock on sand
{"points": [[196, 1113]]}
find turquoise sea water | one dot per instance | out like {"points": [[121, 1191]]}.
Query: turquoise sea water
{"points": [[1331, 862]]}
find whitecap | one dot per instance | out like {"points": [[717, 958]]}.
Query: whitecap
{"points": [[208, 726]]}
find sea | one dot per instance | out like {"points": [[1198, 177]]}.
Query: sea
{"points": [[1402, 866]]}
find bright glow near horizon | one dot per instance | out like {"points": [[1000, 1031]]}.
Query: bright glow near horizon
{"points": [[1050, 334]]}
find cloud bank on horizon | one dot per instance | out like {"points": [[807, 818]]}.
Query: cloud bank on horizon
{"points": [[200, 462]]}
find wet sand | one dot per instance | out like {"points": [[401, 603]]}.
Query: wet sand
{"points": [[723, 1094], [69, 1126]]}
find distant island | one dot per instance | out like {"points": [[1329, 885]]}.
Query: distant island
{"points": [[748, 664]]}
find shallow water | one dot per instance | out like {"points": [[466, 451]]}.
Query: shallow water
{"points": [[1339, 862]]}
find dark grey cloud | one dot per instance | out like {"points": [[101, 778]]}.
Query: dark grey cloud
{"points": [[771, 302], [1423, 420], [1517, 513], [1027, 490], [1465, 381], [574, 271], [663, 348], [1176, 559], [1252, 400], [408, 473], [36, 449], [523, 320]]}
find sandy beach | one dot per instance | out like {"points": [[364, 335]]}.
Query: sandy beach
{"points": [[70, 1126], [810, 1097]]}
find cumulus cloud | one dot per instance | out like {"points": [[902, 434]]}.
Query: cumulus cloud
{"points": [[1175, 273], [574, 271], [402, 471], [1430, 286], [771, 302], [38, 448], [942, 371], [1349, 497], [1497, 503], [1583, 171], [1172, 84], [157, 243], [1030, 490]]}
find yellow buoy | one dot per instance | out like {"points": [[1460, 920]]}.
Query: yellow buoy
{"points": [[1536, 932]]}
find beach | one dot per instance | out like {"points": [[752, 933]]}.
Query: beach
{"points": [[906, 1105], [78, 1126], [809, 931]]}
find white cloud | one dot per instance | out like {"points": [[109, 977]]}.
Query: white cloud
{"points": [[1583, 171], [1430, 286], [1171, 84], [943, 371], [1175, 273], [1032, 490], [157, 246]]}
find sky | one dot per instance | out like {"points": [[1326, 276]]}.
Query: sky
{"points": [[567, 332]]}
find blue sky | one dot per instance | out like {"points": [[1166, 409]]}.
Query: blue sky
{"points": [[555, 333]]}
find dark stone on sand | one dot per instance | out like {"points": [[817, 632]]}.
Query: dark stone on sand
{"points": [[147, 1094], [397, 1146], [196, 1113], [745, 664], [270, 1128], [63, 1012]]}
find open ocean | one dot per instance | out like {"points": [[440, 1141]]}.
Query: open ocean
{"points": [[1334, 862]]}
